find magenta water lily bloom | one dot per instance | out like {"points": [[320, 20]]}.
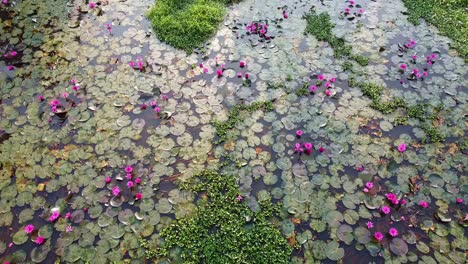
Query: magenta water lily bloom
{"points": [[393, 232], [40, 240], [423, 204], [378, 236], [402, 147], [54, 216], [128, 169], [29, 229], [385, 209]]}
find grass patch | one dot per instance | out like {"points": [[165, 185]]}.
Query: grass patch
{"points": [[422, 112], [321, 27], [449, 16], [234, 116], [224, 230], [187, 24]]}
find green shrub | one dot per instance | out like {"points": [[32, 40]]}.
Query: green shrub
{"points": [[186, 24]]}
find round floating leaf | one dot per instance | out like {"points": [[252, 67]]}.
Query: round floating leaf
{"points": [[20, 237], [319, 249], [363, 235], [46, 231], [333, 218], [398, 247], [333, 251], [77, 216], [104, 220], [125, 216], [345, 233], [39, 254]]}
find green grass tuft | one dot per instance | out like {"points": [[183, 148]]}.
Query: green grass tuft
{"points": [[449, 16], [187, 24]]}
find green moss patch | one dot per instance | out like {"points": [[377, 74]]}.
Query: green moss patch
{"points": [[186, 24], [224, 229], [321, 27], [449, 16]]}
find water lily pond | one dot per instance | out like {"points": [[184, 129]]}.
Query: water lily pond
{"points": [[299, 132]]}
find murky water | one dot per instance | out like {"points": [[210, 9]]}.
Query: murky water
{"points": [[52, 161]]}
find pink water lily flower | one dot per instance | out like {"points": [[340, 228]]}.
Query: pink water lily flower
{"points": [[67, 215], [333, 79], [138, 180], [393, 232], [328, 92], [116, 191], [285, 15], [130, 184], [157, 109], [378, 236], [40, 240], [402, 147], [107, 180], [239, 198], [459, 200], [369, 224], [321, 77], [68, 229], [313, 88], [40, 98], [321, 149], [299, 133], [13, 53], [369, 185], [54, 216], [385, 209], [327, 85], [403, 66], [219, 73], [297, 147], [128, 169], [138, 196], [92, 5], [242, 64], [347, 10], [29, 229], [423, 204], [128, 176]]}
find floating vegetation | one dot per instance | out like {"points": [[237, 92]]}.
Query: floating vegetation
{"points": [[224, 229], [103, 128], [321, 27]]}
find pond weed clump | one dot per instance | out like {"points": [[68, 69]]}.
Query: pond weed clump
{"points": [[187, 24], [224, 229]]}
